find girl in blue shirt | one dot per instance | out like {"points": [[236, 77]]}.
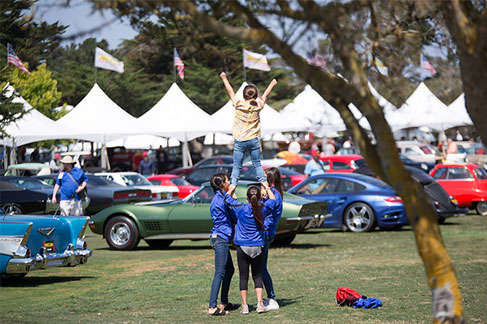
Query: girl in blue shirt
{"points": [[270, 222], [221, 238], [249, 238]]}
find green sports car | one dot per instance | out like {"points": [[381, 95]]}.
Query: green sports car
{"points": [[159, 223]]}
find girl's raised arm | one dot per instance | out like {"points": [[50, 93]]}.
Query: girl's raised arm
{"points": [[229, 88], [268, 91]]}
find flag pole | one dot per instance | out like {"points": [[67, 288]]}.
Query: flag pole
{"points": [[244, 72], [174, 66]]}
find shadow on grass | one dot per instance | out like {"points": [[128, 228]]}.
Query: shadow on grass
{"points": [[169, 248], [38, 281], [301, 246]]}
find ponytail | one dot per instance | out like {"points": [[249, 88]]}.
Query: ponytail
{"points": [[253, 195], [274, 179], [251, 93]]}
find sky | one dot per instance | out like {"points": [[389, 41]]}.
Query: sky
{"points": [[79, 17]]}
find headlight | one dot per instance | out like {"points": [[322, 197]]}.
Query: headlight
{"points": [[424, 167]]}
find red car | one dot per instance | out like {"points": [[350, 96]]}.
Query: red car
{"points": [[185, 188], [466, 182], [342, 163]]}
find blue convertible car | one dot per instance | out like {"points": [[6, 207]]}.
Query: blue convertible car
{"points": [[38, 242], [357, 203]]}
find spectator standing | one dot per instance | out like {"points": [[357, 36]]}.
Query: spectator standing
{"points": [[54, 163], [330, 146], [71, 181], [459, 136], [147, 167], [452, 147], [314, 166], [440, 154]]}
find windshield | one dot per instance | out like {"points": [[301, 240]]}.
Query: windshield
{"points": [[29, 184], [480, 173], [135, 180], [180, 182]]}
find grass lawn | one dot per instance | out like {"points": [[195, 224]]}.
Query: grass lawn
{"points": [[173, 285]]}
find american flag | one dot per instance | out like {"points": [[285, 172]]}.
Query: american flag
{"points": [[178, 63], [425, 64], [318, 61], [13, 59]]}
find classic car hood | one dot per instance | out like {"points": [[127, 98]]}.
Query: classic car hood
{"points": [[58, 230], [159, 189]]}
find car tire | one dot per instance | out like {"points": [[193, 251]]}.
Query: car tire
{"points": [[121, 233], [481, 208], [441, 220], [12, 209], [283, 239], [359, 217], [159, 244]]}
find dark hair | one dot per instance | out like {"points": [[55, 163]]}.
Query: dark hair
{"points": [[253, 195], [250, 92], [274, 178], [217, 181]]}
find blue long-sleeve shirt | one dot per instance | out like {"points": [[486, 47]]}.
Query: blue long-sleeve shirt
{"points": [[248, 232], [223, 220], [147, 168], [273, 218]]}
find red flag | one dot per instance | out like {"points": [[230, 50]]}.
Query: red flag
{"points": [[425, 64], [13, 59], [178, 63]]}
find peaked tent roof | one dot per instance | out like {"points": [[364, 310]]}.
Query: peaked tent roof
{"points": [[422, 108], [315, 112], [100, 119], [458, 109], [33, 126], [271, 121], [175, 115]]}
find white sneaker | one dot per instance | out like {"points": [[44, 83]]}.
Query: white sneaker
{"points": [[271, 304], [261, 308]]}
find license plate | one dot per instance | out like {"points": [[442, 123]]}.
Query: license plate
{"points": [[49, 245]]}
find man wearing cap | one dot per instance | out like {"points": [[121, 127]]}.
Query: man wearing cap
{"points": [[72, 181], [147, 167]]}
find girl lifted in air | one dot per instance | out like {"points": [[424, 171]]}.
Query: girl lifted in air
{"points": [[246, 128]]}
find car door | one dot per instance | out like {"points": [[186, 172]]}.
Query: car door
{"points": [[323, 189], [193, 216], [458, 182]]}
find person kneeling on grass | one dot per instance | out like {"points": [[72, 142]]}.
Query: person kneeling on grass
{"points": [[221, 237], [249, 238]]}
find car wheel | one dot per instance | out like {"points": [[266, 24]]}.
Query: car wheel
{"points": [[481, 208], [12, 209], [359, 217], [159, 244], [284, 239], [121, 233], [441, 220]]}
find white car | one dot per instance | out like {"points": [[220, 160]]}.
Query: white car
{"points": [[421, 152], [136, 180]]}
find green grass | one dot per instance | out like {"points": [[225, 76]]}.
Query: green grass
{"points": [[173, 285]]}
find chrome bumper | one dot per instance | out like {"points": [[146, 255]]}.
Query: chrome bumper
{"points": [[313, 221], [44, 261]]}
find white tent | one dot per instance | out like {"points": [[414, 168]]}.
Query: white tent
{"points": [[271, 121], [33, 126], [315, 112], [100, 119], [422, 109], [458, 109], [175, 115]]}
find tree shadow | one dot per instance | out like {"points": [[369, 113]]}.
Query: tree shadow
{"points": [[38, 281]]}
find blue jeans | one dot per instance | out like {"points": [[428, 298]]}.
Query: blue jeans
{"points": [[239, 149], [223, 270], [266, 277]]}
